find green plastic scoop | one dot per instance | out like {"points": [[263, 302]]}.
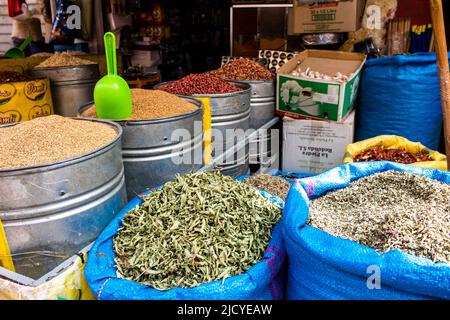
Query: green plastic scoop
{"points": [[16, 53], [112, 95]]}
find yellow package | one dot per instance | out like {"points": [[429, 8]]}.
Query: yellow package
{"points": [[395, 142], [69, 285], [23, 101]]}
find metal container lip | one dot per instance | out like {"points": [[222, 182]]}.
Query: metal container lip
{"points": [[82, 66], [125, 123], [70, 161], [251, 81], [246, 89]]}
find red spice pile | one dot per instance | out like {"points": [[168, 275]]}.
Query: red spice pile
{"points": [[200, 84], [243, 69], [393, 155]]}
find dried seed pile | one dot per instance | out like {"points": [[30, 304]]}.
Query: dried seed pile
{"points": [[11, 76], [198, 228], [243, 69], [200, 84], [276, 186], [63, 60], [387, 211], [153, 104], [49, 139], [380, 153]]}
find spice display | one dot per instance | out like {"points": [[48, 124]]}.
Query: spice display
{"points": [[198, 228], [380, 153], [200, 84], [49, 139], [63, 60], [387, 211], [311, 74], [153, 104], [276, 186], [12, 76], [243, 69]]}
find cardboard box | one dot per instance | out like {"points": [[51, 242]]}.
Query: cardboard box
{"points": [[299, 97], [315, 146], [342, 16], [23, 101]]}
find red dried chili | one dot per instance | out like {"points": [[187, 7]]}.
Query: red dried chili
{"points": [[394, 155], [200, 84]]}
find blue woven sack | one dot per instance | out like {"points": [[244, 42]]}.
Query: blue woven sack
{"points": [[264, 281], [322, 266], [399, 93]]}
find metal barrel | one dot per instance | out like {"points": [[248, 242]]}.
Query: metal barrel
{"points": [[239, 168], [230, 113], [51, 212], [71, 86], [156, 151], [262, 106], [261, 147], [262, 102]]}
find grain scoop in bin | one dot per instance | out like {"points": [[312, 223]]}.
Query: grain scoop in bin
{"points": [[112, 94]]}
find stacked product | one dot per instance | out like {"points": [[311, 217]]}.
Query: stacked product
{"points": [[319, 88]]}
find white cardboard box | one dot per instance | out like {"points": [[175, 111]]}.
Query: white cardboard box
{"points": [[315, 146]]}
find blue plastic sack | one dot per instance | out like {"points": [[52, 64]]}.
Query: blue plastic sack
{"points": [[400, 95], [322, 266], [264, 281]]}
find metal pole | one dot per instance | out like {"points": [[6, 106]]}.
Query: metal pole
{"points": [[440, 43]]}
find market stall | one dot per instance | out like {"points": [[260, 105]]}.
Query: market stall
{"points": [[296, 171]]}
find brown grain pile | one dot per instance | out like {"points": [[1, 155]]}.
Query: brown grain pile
{"points": [[275, 186], [153, 104], [50, 139], [243, 69], [63, 60]]}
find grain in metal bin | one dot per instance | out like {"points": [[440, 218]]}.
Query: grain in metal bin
{"points": [[71, 86], [50, 212]]}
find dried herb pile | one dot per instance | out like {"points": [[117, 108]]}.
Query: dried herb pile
{"points": [[276, 186], [389, 210], [380, 153], [243, 69], [198, 228]]}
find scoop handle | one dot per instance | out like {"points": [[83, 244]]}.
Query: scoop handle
{"points": [[110, 51], [25, 44]]}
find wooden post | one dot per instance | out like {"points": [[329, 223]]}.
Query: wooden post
{"points": [[440, 43]]}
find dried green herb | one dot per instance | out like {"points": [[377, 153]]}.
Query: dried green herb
{"points": [[276, 186], [389, 210], [198, 228]]}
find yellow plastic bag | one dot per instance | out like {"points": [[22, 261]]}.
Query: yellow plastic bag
{"points": [[396, 142], [69, 285]]}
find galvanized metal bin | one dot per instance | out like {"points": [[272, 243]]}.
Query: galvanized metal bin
{"points": [[50, 212], [229, 112], [262, 102], [71, 86], [153, 151]]}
